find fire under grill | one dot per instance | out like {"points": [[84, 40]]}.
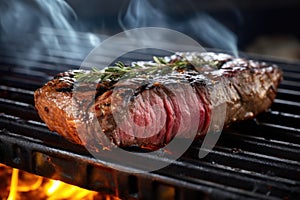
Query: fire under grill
{"points": [[255, 159]]}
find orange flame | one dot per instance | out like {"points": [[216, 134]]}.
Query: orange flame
{"points": [[53, 189], [14, 184], [59, 190]]}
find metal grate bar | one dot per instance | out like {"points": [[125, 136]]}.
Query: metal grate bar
{"points": [[255, 159]]}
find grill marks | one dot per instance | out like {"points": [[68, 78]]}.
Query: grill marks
{"points": [[151, 114]]}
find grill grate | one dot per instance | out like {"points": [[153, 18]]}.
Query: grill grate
{"points": [[257, 159]]}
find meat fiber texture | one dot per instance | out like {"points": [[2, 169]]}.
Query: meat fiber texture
{"points": [[149, 111]]}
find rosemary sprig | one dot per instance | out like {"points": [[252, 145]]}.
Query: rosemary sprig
{"points": [[114, 73], [111, 73]]}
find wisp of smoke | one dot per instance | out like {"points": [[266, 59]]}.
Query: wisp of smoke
{"points": [[40, 27], [202, 26]]}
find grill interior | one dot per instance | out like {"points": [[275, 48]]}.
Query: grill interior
{"points": [[255, 159]]}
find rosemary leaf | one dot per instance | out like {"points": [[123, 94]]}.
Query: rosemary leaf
{"points": [[114, 73]]}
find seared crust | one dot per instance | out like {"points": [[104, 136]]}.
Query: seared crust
{"points": [[249, 89], [56, 113]]}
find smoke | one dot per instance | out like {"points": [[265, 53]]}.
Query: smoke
{"points": [[41, 27], [213, 33], [142, 14], [200, 25]]}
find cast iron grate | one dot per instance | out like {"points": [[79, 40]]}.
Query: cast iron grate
{"points": [[256, 159]]}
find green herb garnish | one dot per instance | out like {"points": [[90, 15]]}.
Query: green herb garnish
{"points": [[114, 73], [107, 74]]}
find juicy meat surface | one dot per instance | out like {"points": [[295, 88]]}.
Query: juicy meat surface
{"points": [[150, 110]]}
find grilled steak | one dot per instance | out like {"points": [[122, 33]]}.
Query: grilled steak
{"points": [[148, 110]]}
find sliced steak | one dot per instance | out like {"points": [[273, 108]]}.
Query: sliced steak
{"points": [[149, 111]]}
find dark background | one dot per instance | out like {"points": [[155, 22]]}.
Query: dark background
{"points": [[265, 27], [267, 21]]}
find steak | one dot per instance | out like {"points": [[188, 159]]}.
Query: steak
{"points": [[149, 109]]}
